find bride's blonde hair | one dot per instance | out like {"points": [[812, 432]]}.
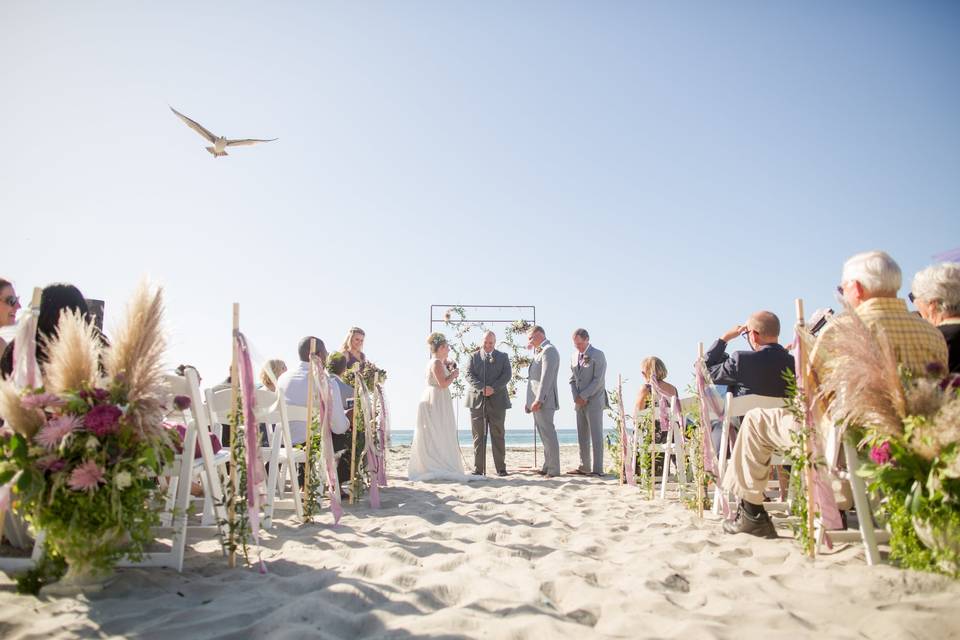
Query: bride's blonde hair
{"points": [[435, 341]]}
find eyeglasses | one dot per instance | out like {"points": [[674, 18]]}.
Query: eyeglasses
{"points": [[840, 289], [912, 297], [12, 300]]}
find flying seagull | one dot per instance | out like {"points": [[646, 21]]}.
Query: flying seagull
{"points": [[219, 142]]}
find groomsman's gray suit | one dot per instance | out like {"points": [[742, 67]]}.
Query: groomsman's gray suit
{"points": [[587, 373], [542, 387], [488, 370]]}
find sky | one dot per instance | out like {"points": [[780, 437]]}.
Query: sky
{"points": [[651, 171]]}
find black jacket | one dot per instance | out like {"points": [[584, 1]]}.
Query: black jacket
{"points": [[750, 372]]}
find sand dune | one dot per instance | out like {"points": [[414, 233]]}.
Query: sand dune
{"points": [[521, 557]]}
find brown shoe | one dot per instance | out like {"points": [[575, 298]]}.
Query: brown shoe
{"points": [[759, 526]]}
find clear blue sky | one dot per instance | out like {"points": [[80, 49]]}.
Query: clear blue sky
{"points": [[651, 171]]}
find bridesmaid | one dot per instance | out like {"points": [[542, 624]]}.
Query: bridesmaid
{"points": [[353, 347]]}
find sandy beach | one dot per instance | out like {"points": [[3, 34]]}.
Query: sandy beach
{"points": [[519, 557]]}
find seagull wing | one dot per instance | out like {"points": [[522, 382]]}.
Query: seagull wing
{"points": [[196, 126], [246, 142]]}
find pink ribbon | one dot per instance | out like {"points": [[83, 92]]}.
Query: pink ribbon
{"points": [[325, 406], [251, 433], [710, 409], [628, 462], [661, 395], [384, 427], [373, 468], [26, 373], [822, 494]]}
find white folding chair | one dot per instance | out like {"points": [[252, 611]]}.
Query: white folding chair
{"points": [[736, 407], [283, 459], [673, 446]]}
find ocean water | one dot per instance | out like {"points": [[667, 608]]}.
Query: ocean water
{"points": [[514, 437]]}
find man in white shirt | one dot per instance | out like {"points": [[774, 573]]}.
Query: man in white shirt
{"points": [[294, 383]]}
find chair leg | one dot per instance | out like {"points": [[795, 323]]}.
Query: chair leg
{"points": [[862, 503]]}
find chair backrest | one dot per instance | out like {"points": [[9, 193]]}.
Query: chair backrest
{"points": [[687, 404], [219, 404], [739, 405]]}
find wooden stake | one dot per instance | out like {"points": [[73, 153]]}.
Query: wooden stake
{"points": [[306, 465], [234, 434], [624, 449], [808, 432], [353, 451], [700, 431]]}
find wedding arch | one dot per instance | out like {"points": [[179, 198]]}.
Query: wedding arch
{"points": [[465, 331]]}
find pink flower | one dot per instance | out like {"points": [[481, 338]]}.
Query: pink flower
{"points": [[86, 476], [53, 433], [102, 420], [881, 454], [41, 401], [182, 403]]}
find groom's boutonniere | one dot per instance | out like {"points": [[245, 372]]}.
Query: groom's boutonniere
{"points": [[586, 359], [490, 358]]}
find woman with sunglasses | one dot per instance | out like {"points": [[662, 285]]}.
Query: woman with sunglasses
{"points": [[9, 305]]}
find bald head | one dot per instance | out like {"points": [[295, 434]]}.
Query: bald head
{"points": [[766, 324]]}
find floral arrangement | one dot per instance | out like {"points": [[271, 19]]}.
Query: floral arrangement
{"points": [[910, 426], [82, 453], [368, 372]]}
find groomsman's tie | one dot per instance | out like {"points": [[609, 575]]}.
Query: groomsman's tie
{"points": [[580, 361]]}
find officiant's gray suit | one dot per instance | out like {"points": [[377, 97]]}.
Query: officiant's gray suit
{"points": [[488, 370], [587, 380], [542, 387]]}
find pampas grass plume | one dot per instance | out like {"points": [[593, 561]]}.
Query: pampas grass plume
{"points": [[73, 355]]}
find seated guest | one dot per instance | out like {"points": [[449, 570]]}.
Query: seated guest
{"points": [[654, 367], [271, 372], [758, 371], [353, 346], [9, 305], [294, 382], [342, 442], [870, 284], [936, 295], [55, 299]]}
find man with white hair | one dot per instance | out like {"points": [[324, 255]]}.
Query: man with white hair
{"points": [[869, 285], [936, 295]]}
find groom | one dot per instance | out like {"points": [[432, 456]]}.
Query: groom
{"points": [[488, 375], [587, 372], [542, 400]]}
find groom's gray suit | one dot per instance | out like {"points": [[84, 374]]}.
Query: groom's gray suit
{"points": [[488, 370], [587, 375], [542, 387]]}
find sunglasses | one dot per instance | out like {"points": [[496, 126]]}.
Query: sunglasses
{"points": [[12, 300]]}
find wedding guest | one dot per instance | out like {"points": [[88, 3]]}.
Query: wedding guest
{"points": [[9, 305], [542, 397], [936, 295], [488, 375], [353, 346], [336, 366], [653, 368], [294, 383], [757, 371], [271, 372], [55, 299], [869, 284], [587, 373]]}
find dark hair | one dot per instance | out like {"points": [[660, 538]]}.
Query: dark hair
{"points": [[303, 349], [337, 363], [4, 284], [55, 299], [581, 333]]}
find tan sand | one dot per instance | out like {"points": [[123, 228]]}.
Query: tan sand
{"points": [[521, 557]]}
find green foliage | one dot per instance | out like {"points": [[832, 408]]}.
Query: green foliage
{"points": [[513, 344], [51, 568]]}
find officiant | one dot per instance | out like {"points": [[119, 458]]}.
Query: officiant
{"points": [[488, 400]]}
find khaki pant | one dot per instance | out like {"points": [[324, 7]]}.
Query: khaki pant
{"points": [[763, 432]]}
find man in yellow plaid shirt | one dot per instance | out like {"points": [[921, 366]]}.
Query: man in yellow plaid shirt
{"points": [[870, 284]]}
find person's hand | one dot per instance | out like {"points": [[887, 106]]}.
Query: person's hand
{"points": [[536, 406], [580, 402], [733, 333], [488, 391]]}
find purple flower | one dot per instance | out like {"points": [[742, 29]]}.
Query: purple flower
{"points": [[53, 433], [97, 395], [881, 454], [952, 381], [51, 464], [182, 403], [86, 476], [102, 419], [41, 401], [935, 369]]}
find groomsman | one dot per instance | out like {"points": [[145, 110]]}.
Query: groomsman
{"points": [[587, 373], [542, 399], [488, 400]]}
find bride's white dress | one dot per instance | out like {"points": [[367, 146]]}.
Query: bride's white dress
{"points": [[435, 454]]}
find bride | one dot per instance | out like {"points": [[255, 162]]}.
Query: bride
{"points": [[436, 449]]}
